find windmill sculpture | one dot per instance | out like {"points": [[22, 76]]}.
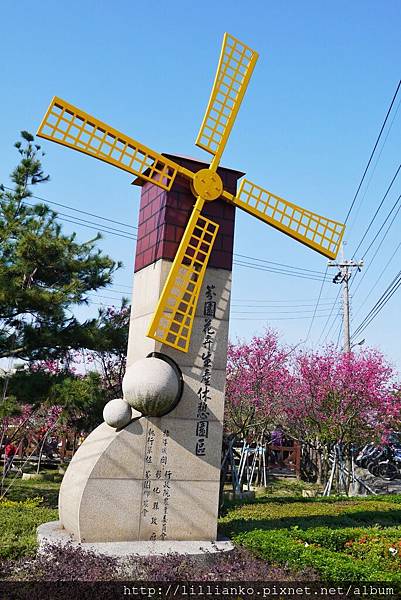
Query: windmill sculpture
{"points": [[192, 430], [173, 319]]}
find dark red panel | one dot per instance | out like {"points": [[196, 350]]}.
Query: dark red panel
{"points": [[163, 216]]}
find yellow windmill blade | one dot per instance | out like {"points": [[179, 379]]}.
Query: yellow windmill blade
{"points": [[67, 125], [234, 71], [319, 233], [173, 320]]}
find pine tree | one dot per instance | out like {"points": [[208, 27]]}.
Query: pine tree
{"points": [[44, 273]]}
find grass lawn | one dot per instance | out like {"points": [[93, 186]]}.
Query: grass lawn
{"points": [[27, 505], [341, 538], [283, 535], [18, 523], [31, 488]]}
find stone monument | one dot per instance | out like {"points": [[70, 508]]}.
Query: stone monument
{"points": [[158, 478], [151, 472]]}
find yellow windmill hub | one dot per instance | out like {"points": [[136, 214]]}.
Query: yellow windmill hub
{"points": [[207, 184]]}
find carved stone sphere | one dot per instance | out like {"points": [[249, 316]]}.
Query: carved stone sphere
{"points": [[152, 386], [117, 413]]}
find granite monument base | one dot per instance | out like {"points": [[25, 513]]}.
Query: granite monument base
{"points": [[53, 533]]}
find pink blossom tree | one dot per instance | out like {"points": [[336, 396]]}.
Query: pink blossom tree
{"points": [[322, 398], [258, 381], [341, 398]]}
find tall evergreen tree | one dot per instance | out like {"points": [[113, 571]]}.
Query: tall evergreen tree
{"points": [[43, 272]]}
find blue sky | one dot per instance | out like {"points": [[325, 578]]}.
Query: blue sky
{"points": [[312, 112]]}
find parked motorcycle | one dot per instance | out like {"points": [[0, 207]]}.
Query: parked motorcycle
{"points": [[381, 455], [390, 468], [381, 461], [366, 455]]}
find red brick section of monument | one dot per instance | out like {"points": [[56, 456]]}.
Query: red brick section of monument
{"points": [[163, 217]]}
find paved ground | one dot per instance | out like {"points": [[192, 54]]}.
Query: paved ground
{"points": [[380, 486]]}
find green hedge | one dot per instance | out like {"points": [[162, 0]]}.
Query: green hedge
{"points": [[18, 524], [342, 539], [288, 548]]}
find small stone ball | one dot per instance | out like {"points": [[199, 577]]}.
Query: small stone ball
{"points": [[151, 386], [117, 413]]}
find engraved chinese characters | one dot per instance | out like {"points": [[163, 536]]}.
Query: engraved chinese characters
{"points": [[156, 492], [202, 424]]}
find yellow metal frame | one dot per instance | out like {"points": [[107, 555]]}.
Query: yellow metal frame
{"points": [[234, 71], [174, 316], [72, 127], [175, 313], [171, 325], [317, 232]]}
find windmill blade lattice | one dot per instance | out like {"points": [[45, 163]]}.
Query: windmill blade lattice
{"points": [[68, 125], [173, 320], [234, 71], [174, 317], [322, 234]]}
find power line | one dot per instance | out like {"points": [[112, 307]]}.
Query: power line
{"points": [[262, 260], [271, 309], [383, 224], [274, 319], [107, 297], [124, 285], [86, 223], [273, 312], [373, 151], [128, 237], [234, 306], [328, 300], [113, 289], [329, 317], [374, 167], [279, 271], [377, 211], [255, 263], [354, 199], [381, 241], [333, 327], [232, 315], [339, 332], [92, 302], [380, 307], [317, 304], [380, 276], [273, 305], [380, 304], [83, 212], [283, 270]]}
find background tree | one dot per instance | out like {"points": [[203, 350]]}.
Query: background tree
{"points": [[78, 387], [257, 384], [108, 343], [43, 272], [66, 403], [341, 398], [322, 399]]}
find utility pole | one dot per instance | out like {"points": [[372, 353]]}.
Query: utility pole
{"points": [[343, 276]]}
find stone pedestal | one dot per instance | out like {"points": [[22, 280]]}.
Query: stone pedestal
{"points": [[53, 533], [158, 478]]}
